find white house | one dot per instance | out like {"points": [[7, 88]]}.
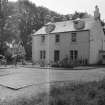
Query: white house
{"points": [[80, 40]]}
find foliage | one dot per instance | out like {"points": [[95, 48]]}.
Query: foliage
{"points": [[91, 93], [19, 19], [66, 93], [32, 18], [40, 99], [65, 63]]}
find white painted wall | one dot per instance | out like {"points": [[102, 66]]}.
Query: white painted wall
{"points": [[96, 41], [65, 45], [88, 44]]}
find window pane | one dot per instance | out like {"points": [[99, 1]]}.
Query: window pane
{"points": [[73, 37], [42, 38], [56, 55], [40, 54], [75, 54], [44, 54], [71, 54], [57, 38]]}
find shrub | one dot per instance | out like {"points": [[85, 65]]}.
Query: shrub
{"points": [[65, 63]]}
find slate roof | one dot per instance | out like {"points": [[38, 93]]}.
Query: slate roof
{"points": [[66, 26]]}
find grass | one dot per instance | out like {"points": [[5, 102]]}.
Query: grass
{"points": [[66, 93], [91, 93], [41, 99]]}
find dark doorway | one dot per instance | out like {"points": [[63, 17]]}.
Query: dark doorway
{"points": [[56, 55]]}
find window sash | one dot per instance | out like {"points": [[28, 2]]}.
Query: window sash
{"points": [[74, 37], [73, 54], [42, 54], [56, 55], [57, 38], [42, 38]]}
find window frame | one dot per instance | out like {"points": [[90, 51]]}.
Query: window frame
{"points": [[42, 38], [73, 54], [56, 55], [74, 37], [57, 38], [42, 54]]}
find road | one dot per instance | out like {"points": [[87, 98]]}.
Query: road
{"points": [[29, 81], [20, 77]]}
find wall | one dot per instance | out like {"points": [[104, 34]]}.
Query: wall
{"points": [[65, 45], [97, 42]]}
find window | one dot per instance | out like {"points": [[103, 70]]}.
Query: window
{"points": [[42, 38], [104, 31], [57, 38], [42, 54], [73, 54], [73, 37], [56, 55]]}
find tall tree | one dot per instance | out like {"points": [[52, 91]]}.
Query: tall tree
{"points": [[28, 22], [3, 16]]}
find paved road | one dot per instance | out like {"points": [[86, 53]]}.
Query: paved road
{"points": [[20, 77], [36, 80]]}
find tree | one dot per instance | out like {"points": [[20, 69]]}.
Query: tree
{"points": [[28, 22], [3, 16], [19, 21], [77, 15]]}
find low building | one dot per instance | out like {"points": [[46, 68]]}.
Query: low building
{"points": [[79, 40], [16, 49]]}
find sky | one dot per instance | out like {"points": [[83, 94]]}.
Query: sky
{"points": [[70, 6]]}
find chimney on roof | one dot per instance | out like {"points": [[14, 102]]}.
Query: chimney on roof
{"points": [[97, 13]]}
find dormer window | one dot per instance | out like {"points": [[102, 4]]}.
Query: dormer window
{"points": [[79, 24], [49, 27]]}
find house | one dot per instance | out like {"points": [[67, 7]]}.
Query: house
{"points": [[81, 40], [15, 48]]}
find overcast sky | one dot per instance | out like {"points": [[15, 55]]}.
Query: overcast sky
{"points": [[70, 6]]}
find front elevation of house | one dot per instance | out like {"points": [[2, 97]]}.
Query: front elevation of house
{"points": [[76, 40]]}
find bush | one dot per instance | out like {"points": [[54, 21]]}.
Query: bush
{"points": [[65, 63]]}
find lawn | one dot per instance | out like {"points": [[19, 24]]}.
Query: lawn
{"points": [[67, 93], [64, 93]]}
